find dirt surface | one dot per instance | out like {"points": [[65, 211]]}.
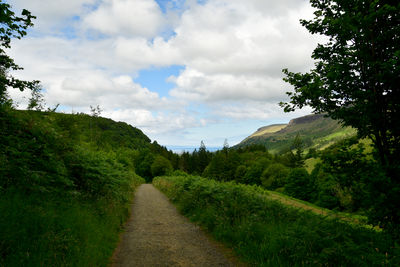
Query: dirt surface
{"points": [[157, 235]]}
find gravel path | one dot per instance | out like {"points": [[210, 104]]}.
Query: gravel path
{"points": [[157, 235]]}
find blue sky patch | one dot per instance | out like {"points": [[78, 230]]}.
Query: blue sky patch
{"points": [[166, 5], [154, 79]]}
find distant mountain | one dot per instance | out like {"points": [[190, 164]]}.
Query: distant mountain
{"points": [[316, 131]]}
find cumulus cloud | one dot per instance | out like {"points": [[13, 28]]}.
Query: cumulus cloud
{"points": [[52, 14], [255, 111], [196, 86], [238, 49], [126, 18], [154, 123], [232, 51], [137, 53]]}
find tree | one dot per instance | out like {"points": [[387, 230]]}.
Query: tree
{"points": [[203, 158], [12, 26], [295, 160], [357, 72], [356, 78], [143, 164], [95, 111], [299, 184], [274, 176], [160, 166], [36, 101]]}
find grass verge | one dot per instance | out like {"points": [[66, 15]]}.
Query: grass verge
{"points": [[264, 232], [54, 230]]}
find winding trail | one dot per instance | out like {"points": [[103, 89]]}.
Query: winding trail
{"points": [[157, 235]]}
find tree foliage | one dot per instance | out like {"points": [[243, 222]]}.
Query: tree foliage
{"points": [[357, 72], [160, 166], [12, 26], [356, 80], [299, 184]]}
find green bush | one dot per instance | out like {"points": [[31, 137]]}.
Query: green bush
{"points": [[299, 184], [267, 233], [274, 176], [161, 166], [254, 171], [240, 173], [62, 201]]}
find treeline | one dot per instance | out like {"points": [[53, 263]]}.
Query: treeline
{"points": [[345, 176]]}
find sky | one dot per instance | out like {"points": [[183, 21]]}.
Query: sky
{"points": [[182, 71]]}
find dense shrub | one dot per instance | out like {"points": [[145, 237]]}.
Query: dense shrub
{"points": [[62, 200], [326, 186], [274, 176], [299, 184], [254, 171], [160, 166], [267, 233]]}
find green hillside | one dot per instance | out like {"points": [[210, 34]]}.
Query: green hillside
{"points": [[97, 131], [316, 131], [66, 184]]}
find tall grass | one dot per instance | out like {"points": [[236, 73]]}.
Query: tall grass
{"points": [[266, 233], [49, 230]]}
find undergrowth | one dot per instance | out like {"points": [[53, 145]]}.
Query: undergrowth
{"points": [[264, 232], [63, 200]]}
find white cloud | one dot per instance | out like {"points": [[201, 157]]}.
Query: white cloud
{"points": [[137, 53], [196, 86], [51, 14], [233, 52], [154, 123], [255, 111], [126, 18]]}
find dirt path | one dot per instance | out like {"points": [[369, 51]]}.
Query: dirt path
{"points": [[157, 235]]}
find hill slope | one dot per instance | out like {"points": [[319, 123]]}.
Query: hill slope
{"points": [[89, 129], [66, 182], [316, 131]]}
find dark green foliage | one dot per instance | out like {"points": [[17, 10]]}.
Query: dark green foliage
{"points": [[255, 170], [240, 173], [274, 176], [299, 184], [194, 162], [244, 165], [64, 194], [359, 85], [31, 156], [266, 233], [203, 158], [356, 81], [143, 164], [103, 132], [62, 200], [361, 183], [326, 189], [160, 166], [223, 165], [312, 153], [12, 26]]}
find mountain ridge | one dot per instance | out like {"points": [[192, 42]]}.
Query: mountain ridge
{"points": [[315, 130]]}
